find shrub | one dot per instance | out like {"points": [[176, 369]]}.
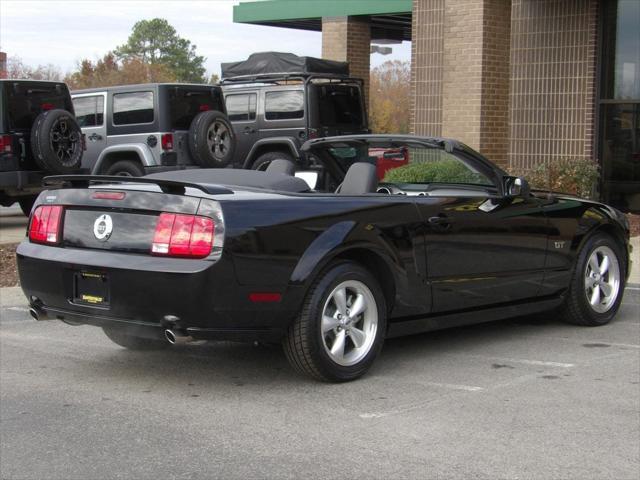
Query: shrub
{"points": [[577, 176], [447, 171]]}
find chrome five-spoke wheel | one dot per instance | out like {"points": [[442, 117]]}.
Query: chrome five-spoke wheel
{"points": [[602, 279], [340, 329], [349, 322]]}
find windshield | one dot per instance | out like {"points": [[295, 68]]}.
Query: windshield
{"points": [[412, 165]]}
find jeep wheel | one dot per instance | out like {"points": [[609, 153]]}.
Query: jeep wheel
{"points": [[212, 142], [56, 142], [263, 161], [126, 168], [341, 328]]}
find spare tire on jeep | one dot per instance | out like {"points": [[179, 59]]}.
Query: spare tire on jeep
{"points": [[56, 141], [211, 139]]}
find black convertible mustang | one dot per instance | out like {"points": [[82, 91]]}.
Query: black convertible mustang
{"points": [[379, 236]]}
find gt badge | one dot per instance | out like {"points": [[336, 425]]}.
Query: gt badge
{"points": [[558, 244], [102, 227]]}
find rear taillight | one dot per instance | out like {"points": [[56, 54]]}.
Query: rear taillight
{"points": [[166, 140], [313, 133], [190, 236], [45, 224], [47, 106], [6, 143], [83, 142]]}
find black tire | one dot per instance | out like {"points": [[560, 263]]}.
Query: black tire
{"points": [[56, 142], [126, 168], [131, 342], [577, 308], [212, 143], [263, 161], [26, 204], [304, 345]]}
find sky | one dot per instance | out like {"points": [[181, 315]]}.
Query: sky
{"points": [[64, 32]]}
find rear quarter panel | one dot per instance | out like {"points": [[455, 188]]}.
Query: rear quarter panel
{"points": [[284, 243]]}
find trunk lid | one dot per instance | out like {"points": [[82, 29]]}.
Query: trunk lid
{"points": [[123, 218]]}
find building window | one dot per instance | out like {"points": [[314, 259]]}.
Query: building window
{"points": [[619, 145]]}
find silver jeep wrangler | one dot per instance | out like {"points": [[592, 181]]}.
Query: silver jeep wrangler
{"points": [[139, 129]]}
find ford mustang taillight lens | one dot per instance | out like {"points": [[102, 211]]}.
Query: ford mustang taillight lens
{"points": [[45, 224], [183, 236]]}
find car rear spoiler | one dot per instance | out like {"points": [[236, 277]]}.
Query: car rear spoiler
{"points": [[167, 186]]}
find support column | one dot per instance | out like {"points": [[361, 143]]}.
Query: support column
{"points": [[460, 83], [348, 39]]}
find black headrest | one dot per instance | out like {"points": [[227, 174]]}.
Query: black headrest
{"points": [[282, 166], [360, 178]]}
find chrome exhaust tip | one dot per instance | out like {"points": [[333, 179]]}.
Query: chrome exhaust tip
{"points": [[38, 314], [177, 338]]}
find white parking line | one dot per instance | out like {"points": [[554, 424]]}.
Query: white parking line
{"points": [[18, 309], [528, 362], [467, 388], [604, 342], [420, 405]]}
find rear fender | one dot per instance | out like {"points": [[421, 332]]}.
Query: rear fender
{"points": [[341, 241], [116, 152], [283, 143], [319, 250]]}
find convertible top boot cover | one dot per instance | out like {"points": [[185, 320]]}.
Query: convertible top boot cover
{"points": [[264, 63]]}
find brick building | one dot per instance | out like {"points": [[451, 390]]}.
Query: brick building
{"points": [[3, 65], [522, 81]]}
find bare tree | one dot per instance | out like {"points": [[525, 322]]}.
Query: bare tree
{"points": [[16, 68]]}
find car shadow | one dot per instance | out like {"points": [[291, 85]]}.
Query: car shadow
{"points": [[240, 364]]}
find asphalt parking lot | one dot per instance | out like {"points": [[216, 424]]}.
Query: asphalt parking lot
{"points": [[527, 398]]}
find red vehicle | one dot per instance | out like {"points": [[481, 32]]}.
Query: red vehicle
{"points": [[388, 159]]}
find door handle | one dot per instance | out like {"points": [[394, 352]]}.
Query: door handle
{"points": [[248, 130], [441, 220], [94, 137]]}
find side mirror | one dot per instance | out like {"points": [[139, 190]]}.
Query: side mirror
{"points": [[516, 187], [309, 176]]}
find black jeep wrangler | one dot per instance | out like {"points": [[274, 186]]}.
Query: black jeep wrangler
{"points": [[39, 136], [277, 101]]}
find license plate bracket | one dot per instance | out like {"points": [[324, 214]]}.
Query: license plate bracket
{"points": [[91, 288]]}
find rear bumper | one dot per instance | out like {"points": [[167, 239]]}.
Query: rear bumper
{"points": [[20, 179], [143, 290]]}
